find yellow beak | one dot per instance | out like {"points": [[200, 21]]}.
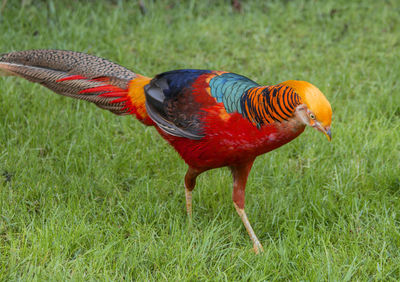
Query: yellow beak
{"points": [[328, 133], [324, 130]]}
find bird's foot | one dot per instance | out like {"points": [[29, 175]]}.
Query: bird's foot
{"points": [[258, 248]]}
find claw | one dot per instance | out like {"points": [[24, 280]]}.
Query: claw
{"points": [[258, 248]]}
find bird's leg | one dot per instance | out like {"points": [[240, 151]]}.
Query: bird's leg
{"points": [[240, 174], [256, 244], [190, 182], [188, 196]]}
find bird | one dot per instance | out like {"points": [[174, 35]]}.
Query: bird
{"points": [[213, 119]]}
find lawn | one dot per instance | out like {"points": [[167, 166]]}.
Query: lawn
{"points": [[87, 195]]}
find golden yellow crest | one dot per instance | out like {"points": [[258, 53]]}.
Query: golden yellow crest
{"points": [[314, 99]]}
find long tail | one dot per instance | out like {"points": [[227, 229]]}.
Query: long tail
{"points": [[81, 76]]}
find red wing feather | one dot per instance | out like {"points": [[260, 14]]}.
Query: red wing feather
{"points": [[103, 95]]}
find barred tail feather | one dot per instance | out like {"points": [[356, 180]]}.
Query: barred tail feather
{"points": [[79, 76]]}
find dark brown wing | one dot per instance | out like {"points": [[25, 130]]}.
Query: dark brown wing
{"points": [[171, 105]]}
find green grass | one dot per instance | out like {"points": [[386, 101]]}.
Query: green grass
{"points": [[86, 195]]}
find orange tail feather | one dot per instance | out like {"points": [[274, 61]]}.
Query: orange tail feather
{"points": [[138, 99]]}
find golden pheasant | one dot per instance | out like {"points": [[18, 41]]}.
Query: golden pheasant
{"points": [[211, 118]]}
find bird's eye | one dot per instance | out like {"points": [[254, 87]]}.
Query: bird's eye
{"points": [[312, 116]]}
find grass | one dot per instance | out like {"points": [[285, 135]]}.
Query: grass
{"points": [[86, 195]]}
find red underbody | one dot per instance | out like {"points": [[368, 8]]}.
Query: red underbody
{"points": [[228, 143], [229, 138]]}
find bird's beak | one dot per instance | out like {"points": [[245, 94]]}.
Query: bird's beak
{"points": [[328, 133], [325, 130]]}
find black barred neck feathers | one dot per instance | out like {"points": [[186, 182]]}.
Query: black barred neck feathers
{"points": [[267, 104]]}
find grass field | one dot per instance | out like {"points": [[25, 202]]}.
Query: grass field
{"points": [[86, 195]]}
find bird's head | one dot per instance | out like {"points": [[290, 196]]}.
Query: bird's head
{"points": [[314, 110]]}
